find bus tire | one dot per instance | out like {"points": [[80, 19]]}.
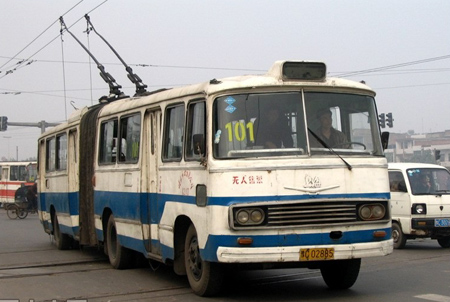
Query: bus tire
{"points": [[340, 274], [398, 236], [119, 256], [205, 278], [444, 242], [62, 241]]}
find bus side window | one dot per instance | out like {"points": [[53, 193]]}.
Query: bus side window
{"points": [[130, 133], [173, 133], [50, 155], [195, 143], [108, 142]]}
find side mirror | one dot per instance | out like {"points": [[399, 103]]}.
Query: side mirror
{"points": [[199, 144], [385, 140]]}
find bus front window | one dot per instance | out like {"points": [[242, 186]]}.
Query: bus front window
{"points": [[249, 125], [273, 124], [344, 122]]}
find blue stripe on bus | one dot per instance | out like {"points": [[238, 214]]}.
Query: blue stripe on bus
{"points": [[134, 207]]}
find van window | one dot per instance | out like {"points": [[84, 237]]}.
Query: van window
{"points": [[397, 182], [429, 181]]}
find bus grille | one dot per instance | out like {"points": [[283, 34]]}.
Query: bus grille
{"points": [[311, 214]]}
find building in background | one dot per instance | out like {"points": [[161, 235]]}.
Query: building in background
{"points": [[424, 148]]}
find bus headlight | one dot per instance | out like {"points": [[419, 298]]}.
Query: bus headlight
{"points": [[374, 211], [242, 216], [249, 216]]}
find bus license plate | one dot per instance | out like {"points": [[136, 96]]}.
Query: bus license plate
{"points": [[442, 223], [315, 254]]}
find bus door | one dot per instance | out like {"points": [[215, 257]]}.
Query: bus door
{"points": [[151, 178], [72, 173]]}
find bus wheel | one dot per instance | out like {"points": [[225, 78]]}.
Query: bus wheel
{"points": [[12, 211], [444, 242], [119, 256], [341, 274], [398, 236], [63, 241], [205, 277]]}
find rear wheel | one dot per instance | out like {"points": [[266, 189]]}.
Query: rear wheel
{"points": [[12, 211], [205, 278], [398, 236], [120, 257], [444, 242], [341, 274], [63, 241]]}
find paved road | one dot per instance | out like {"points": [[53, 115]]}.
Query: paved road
{"points": [[32, 268]]}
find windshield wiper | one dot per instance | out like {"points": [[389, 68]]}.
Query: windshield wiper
{"points": [[329, 148]]}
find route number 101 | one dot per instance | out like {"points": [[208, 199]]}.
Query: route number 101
{"points": [[237, 130]]}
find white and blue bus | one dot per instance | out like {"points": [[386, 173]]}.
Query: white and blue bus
{"points": [[285, 168]]}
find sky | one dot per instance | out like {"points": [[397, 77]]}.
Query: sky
{"points": [[401, 49]]}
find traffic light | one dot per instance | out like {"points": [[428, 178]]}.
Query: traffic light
{"points": [[3, 123], [381, 120], [437, 154], [389, 120]]}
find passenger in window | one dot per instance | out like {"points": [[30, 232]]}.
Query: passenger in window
{"points": [[423, 186], [330, 136], [273, 130]]}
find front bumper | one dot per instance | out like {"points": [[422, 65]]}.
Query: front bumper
{"points": [[292, 253]]}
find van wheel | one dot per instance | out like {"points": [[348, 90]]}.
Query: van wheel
{"points": [[341, 274], [398, 236], [119, 256], [444, 242], [205, 277]]}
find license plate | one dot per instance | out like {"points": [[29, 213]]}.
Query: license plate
{"points": [[442, 223], [315, 254]]}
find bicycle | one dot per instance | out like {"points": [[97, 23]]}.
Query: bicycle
{"points": [[19, 209]]}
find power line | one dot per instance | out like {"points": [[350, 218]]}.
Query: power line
{"points": [[27, 60], [39, 36], [393, 66]]}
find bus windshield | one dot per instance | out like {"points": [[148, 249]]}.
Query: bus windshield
{"points": [[283, 124]]}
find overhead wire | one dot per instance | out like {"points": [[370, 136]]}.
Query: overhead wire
{"points": [[360, 72], [43, 47]]}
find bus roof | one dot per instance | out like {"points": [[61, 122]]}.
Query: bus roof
{"points": [[273, 78]]}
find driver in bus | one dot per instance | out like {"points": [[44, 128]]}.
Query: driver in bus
{"points": [[330, 136], [273, 131]]}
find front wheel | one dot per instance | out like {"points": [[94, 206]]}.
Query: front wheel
{"points": [[444, 242], [22, 213], [205, 278], [398, 236], [341, 274]]}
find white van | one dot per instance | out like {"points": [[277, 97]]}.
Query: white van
{"points": [[420, 202]]}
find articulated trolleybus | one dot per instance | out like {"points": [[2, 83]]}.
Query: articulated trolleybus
{"points": [[284, 169]]}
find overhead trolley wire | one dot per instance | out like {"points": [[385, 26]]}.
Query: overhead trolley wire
{"points": [[20, 63], [393, 66]]}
